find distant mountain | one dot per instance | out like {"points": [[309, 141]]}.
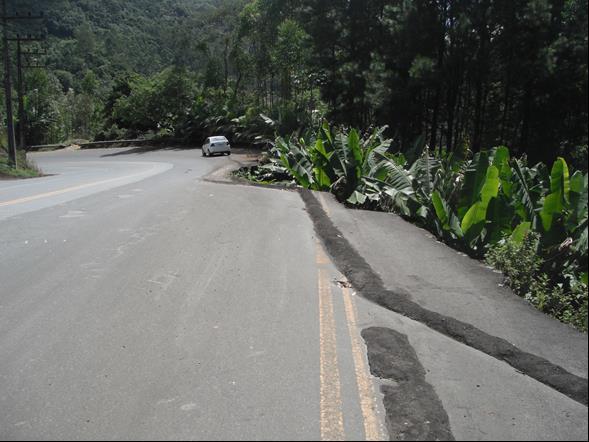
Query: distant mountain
{"points": [[110, 36]]}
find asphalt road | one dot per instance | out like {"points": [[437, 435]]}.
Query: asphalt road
{"points": [[139, 301], [143, 296]]}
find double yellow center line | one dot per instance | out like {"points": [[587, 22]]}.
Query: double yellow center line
{"points": [[332, 420]]}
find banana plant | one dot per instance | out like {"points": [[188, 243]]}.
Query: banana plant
{"points": [[424, 170], [576, 222], [447, 224], [475, 175], [336, 162], [555, 202], [295, 158], [472, 203]]}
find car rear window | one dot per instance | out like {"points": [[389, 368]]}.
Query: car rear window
{"points": [[218, 139]]}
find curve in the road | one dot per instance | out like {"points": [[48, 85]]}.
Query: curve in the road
{"points": [[33, 195]]}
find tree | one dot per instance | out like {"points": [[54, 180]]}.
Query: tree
{"points": [[86, 43], [290, 56]]}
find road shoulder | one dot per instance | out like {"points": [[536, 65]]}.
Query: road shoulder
{"points": [[489, 387]]}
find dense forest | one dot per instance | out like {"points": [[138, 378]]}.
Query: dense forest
{"points": [[459, 74]]}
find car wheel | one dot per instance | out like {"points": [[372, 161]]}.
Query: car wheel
{"points": [[203, 153]]}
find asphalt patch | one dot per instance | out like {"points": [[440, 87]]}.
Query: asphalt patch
{"points": [[414, 410], [369, 285]]}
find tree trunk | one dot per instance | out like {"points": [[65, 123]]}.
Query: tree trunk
{"points": [[237, 84], [526, 116], [439, 69], [506, 105], [226, 66], [481, 78]]}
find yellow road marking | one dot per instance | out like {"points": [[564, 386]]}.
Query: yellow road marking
{"points": [[322, 258], [323, 203], [332, 420], [61, 191], [332, 427], [372, 428]]}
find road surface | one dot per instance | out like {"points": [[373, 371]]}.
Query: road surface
{"points": [[140, 302], [140, 298]]}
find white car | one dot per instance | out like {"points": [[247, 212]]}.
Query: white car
{"points": [[215, 145]]}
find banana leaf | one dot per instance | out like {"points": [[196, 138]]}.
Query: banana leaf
{"points": [[397, 177], [519, 233], [499, 219], [357, 198], [474, 180], [477, 213], [578, 199], [449, 221], [424, 169], [527, 193], [554, 203], [501, 162]]}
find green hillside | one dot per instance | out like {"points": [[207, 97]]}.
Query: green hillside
{"points": [[92, 45], [112, 36], [461, 75]]}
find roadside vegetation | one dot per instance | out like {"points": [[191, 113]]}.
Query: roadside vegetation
{"points": [[530, 221], [26, 167], [464, 75]]}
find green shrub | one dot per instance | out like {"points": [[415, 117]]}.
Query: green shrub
{"points": [[110, 134], [26, 167], [523, 269], [519, 262]]}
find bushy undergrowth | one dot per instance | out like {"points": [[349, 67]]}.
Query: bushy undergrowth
{"points": [[26, 168], [523, 269], [482, 204]]}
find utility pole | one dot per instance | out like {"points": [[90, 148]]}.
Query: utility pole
{"points": [[12, 161], [21, 100], [12, 157], [20, 88]]}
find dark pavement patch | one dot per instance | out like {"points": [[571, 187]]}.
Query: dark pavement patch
{"points": [[414, 410], [369, 285]]}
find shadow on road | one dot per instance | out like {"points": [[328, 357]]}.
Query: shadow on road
{"points": [[253, 151], [146, 149]]}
